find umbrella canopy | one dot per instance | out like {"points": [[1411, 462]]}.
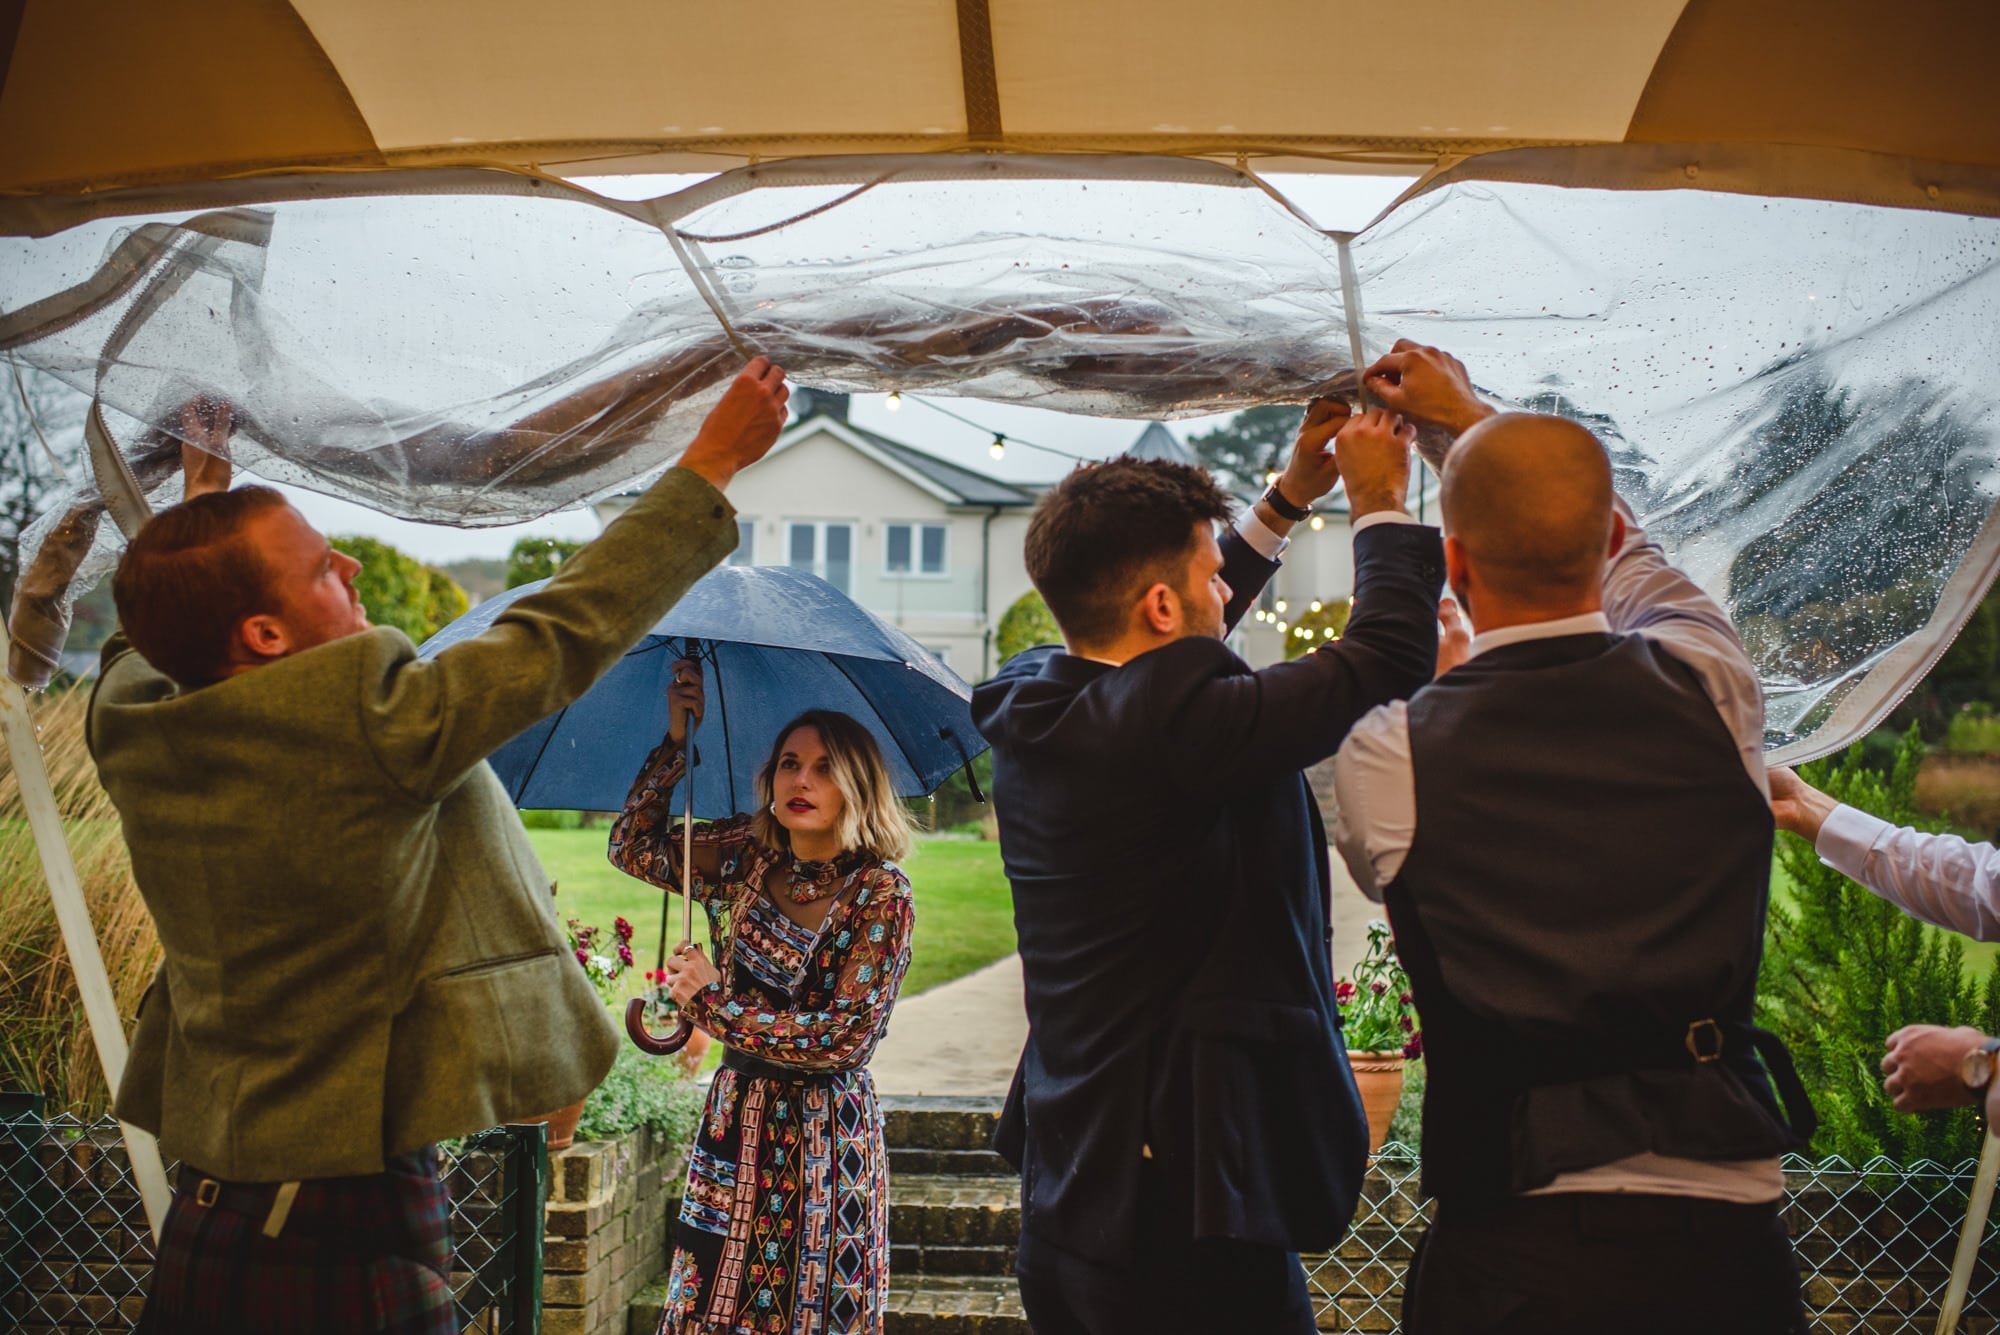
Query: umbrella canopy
{"points": [[775, 643], [177, 100]]}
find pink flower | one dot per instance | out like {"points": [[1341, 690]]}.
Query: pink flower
{"points": [[624, 929], [583, 957], [1409, 1025], [1407, 999], [1343, 991], [624, 953], [1378, 988], [1414, 1048]]}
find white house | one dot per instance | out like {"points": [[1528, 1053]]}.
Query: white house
{"points": [[935, 547]]}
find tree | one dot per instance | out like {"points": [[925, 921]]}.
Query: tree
{"points": [[1323, 625], [538, 558], [39, 416], [1843, 969], [1249, 445], [399, 590], [1024, 625]]}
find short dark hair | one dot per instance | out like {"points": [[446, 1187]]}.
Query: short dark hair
{"points": [[188, 580], [1108, 531]]}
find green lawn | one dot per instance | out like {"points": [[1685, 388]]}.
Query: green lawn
{"points": [[965, 917]]}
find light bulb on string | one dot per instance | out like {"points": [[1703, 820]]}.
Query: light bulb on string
{"points": [[1318, 606], [894, 403], [1271, 479], [998, 449], [1281, 605], [1318, 522]]}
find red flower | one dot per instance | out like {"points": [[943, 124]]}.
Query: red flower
{"points": [[582, 956], [1414, 1048], [1378, 987], [624, 929], [1343, 991], [1407, 999], [624, 953]]}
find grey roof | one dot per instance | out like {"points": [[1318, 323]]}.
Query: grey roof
{"points": [[1156, 442], [969, 487]]}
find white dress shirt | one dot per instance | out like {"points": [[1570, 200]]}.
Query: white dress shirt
{"points": [[1939, 878], [1375, 789]]}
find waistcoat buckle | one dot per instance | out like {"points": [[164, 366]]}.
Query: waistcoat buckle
{"points": [[1695, 1045], [207, 1192]]}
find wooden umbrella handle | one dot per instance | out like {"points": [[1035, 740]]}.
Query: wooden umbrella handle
{"points": [[638, 1008]]}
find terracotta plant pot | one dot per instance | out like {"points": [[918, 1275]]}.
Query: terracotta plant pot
{"points": [[1380, 1077], [562, 1124]]}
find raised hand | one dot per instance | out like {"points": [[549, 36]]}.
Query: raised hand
{"points": [[1311, 472], [1427, 385], [205, 428], [685, 697], [1373, 454], [741, 429], [1454, 636]]}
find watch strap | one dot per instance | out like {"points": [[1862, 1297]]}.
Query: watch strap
{"points": [[1298, 514]]}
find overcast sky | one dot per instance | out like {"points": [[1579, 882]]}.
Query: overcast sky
{"points": [[1343, 202]]}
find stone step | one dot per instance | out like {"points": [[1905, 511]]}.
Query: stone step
{"points": [[949, 1210], [939, 1121], [978, 1163], [954, 1305], [918, 1305]]}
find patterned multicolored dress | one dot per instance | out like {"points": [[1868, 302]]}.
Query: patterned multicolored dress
{"points": [[784, 1229]]}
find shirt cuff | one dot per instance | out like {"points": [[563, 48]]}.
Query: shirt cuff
{"points": [[1258, 534], [1374, 517], [1847, 837]]}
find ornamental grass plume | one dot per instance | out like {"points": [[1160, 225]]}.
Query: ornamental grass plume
{"points": [[45, 1043]]}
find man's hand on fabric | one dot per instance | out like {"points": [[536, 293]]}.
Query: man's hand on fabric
{"points": [[206, 425], [1921, 1067], [1312, 471], [1426, 385], [741, 429], [688, 971], [1373, 454]]}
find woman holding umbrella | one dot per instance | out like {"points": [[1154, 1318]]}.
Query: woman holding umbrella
{"points": [[787, 1206]]}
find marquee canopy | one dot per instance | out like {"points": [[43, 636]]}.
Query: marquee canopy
{"points": [[1754, 245], [167, 100]]}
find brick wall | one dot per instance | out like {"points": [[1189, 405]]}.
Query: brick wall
{"points": [[610, 1207]]}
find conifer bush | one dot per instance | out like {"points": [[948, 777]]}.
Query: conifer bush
{"points": [[1844, 969]]}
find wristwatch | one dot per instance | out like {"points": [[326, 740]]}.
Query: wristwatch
{"points": [[1298, 514], [1976, 1067]]}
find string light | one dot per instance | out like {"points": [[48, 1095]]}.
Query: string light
{"points": [[1281, 605], [998, 449], [1327, 633], [1318, 606], [894, 403], [1271, 479], [1282, 628], [1318, 522], [1000, 438]]}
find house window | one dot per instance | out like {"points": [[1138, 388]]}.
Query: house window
{"points": [[746, 544], [827, 550], [913, 549]]}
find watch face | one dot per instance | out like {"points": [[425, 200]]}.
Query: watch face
{"points": [[1976, 1068]]}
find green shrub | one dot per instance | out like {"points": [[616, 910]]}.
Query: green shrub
{"points": [[399, 590], [537, 558], [1973, 730], [1024, 625], [552, 820], [1844, 969], [642, 1091]]}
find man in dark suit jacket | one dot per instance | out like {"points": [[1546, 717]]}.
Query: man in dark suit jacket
{"points": [[1184, 1117]]}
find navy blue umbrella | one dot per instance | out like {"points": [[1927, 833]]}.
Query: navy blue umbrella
{"points": [[774, 642]]}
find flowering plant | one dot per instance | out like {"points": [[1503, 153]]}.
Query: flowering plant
{"points": [[1376, 1008], [603, 970]]}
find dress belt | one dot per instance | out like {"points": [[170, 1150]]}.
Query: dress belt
{"points": [[763, 1070]]}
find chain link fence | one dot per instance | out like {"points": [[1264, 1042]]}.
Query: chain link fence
{"points": [[1874, 1246], [76, 1251]]}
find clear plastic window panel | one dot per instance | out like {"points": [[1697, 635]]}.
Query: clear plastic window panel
{"points": [[1799, 397]]}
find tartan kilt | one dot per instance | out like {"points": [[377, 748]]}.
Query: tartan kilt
{"points": [[356, 1254]]}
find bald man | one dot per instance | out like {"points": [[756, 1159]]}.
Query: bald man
{"points": [[1571, 834]]}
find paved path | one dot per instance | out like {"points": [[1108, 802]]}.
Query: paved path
{"points": [[963, 1037]]}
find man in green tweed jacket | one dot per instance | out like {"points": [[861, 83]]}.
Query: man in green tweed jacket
{"points": [[362, 954]]}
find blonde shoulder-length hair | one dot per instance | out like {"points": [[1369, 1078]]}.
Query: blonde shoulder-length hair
{"points": [[872, 821]]}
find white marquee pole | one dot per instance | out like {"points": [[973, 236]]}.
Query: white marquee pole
{"points": [[86, 961]]}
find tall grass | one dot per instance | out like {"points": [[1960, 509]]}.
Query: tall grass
{"points": [[45, 1043]]}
